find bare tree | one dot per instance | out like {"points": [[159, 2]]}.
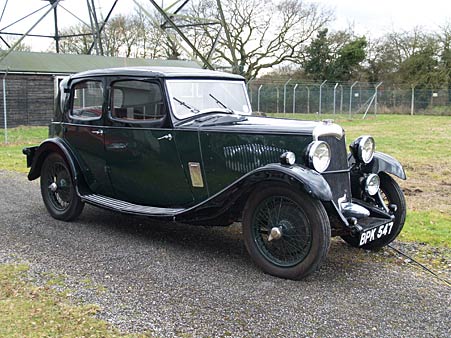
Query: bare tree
{"points": [[21, 47], [135, 35], [79, 40], [262, 34]]}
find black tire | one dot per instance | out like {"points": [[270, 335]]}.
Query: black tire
{"points": [[58, 190], [391, 194], [304, 227]]}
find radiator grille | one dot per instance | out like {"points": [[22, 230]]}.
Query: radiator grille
{"points": [[339, 159], [247, 157], [340, 183]]}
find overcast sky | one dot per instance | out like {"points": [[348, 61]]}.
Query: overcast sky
{"points": [[375, 18], [372, 18]]}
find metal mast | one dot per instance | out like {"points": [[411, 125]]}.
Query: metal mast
{"points": [[96, 27], [170, 23]]}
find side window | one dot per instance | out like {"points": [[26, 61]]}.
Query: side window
{"points": [[137, 100], [87, 100]]}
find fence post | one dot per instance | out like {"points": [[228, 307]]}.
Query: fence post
{"points": [[5, 121], [277, 91], [341, 99], [375, 99], [249, 88], [320, 94], [350, 98], [285, 96], [412, 103], [258, 97], [294, 98], [308, 99], [335, 94]]}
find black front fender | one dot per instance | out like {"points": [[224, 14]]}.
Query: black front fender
{"points": [[309, 180], [231, 199], [385, 163], [37, 155]]}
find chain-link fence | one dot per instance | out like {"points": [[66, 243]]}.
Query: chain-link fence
{"points": [[29, 101], [347, 98]]}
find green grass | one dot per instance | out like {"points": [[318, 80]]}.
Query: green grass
{"points": [[25, 135], [11, 157], [27, 310], [429, 227]]}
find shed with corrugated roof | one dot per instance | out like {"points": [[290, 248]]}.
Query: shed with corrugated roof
{"points": [[29, 81]]}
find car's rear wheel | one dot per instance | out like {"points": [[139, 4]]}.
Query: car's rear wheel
{"points": [[390, 193], [286, 232], [58, 190]]}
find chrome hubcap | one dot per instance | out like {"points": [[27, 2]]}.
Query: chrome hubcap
{"points": [[53, 187]]}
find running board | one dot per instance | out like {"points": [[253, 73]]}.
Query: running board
{"points": [[130, 208]]}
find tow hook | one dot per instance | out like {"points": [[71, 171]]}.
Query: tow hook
{"points": [[355, 228]]}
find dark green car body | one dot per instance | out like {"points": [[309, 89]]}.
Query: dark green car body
{"points": [[135, 155]]}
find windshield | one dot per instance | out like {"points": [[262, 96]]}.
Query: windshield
{"points": [[191, 97]]}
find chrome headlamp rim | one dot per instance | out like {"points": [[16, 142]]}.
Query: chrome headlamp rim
{"points": [[363, 149], [360, 150], [372, 184], [313, 152]]}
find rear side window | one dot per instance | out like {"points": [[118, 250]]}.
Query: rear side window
{"points": [[87, 100], [133, 100]]}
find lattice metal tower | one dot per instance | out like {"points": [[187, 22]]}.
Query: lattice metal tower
{"points": [[52, 7]]}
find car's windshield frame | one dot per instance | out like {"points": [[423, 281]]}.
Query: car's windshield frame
{"points": [[174, 100]]}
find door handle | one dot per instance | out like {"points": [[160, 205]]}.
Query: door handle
{"points": [[166, 137], [97, 132]]}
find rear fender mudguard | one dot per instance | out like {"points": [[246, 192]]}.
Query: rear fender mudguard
{"points": [[52, 145], [228, 200]]}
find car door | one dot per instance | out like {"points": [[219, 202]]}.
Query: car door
{"points": [[83, 131], [142, 156]]}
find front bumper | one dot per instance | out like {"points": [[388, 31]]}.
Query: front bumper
{"points": [[355, 218]]}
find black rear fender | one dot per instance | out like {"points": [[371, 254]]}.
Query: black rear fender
{"points": [[37, 155]]}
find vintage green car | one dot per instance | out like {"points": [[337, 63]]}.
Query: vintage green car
{"points": [[182, 145]]}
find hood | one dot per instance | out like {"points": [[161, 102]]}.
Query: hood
{"points": [[267, 125]]}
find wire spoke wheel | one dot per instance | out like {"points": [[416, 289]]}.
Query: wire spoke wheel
{"points": [[59, 186], [57, 189], [286, 232], [294, 243]]}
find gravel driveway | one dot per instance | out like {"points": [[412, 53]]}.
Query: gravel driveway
{"points": [[175, 280]]}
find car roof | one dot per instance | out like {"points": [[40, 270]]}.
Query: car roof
{"points": [[158, 72]]}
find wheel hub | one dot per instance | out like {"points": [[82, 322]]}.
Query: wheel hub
{"points": [[53, 187], [275, 233]]}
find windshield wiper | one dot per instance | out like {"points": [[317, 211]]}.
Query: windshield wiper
{"points": [[222, 104], [191, 108]]}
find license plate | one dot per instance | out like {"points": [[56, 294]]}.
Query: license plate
{"points": [[373, 234]]}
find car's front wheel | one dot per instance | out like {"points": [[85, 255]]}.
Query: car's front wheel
{"points": [[58, 190], [286, 232]]}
